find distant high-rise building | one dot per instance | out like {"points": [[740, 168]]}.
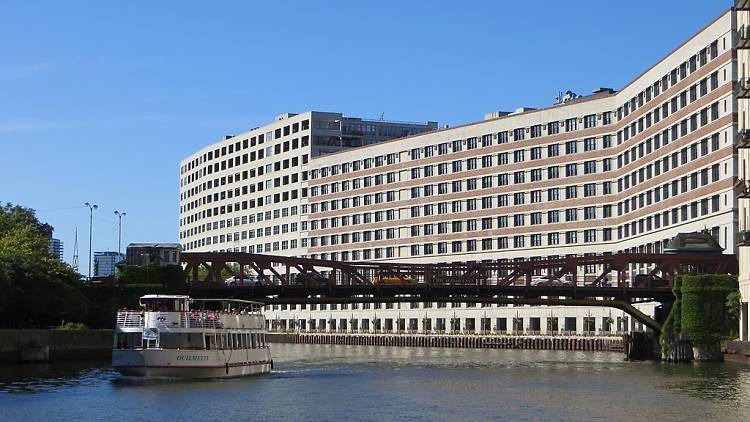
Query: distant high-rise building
{"points": [[105, 263], [55, 248]]}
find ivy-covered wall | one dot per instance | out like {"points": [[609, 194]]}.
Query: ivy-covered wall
{"points": [[701, 311]]}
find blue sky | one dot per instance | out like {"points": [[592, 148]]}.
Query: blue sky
{"points": [[99, 101]]}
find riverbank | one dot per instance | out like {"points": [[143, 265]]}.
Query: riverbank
{"points": [[455, 341], [38, 345], [737, 352]]}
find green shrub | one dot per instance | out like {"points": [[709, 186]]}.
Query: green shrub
{"points": [[703, 310], [704, 316], [73, 326]]}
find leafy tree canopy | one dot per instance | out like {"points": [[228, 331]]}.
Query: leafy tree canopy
{"points": [[36, 290]]}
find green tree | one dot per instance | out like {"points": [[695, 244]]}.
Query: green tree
{"points": [[36, 290]]}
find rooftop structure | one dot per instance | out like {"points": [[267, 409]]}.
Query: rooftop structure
{"points": [[153, 254]]}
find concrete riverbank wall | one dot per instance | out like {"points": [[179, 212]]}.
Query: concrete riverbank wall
{"points": [[53, 345], [465, 341]]}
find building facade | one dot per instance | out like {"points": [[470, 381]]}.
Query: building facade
{"points": [[105, 263], [613, 171], [247, 193], [153, 254], [743, 157], [55, 248]]}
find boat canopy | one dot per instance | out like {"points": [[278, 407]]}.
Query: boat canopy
{"points": [[165, 303], [230, 304], [181, 303]]}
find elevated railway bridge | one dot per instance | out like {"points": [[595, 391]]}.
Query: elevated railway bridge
{"points": [[599, 280]]}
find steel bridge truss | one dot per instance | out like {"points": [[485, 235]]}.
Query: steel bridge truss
{"points": [[579, 270], [600, 280]]}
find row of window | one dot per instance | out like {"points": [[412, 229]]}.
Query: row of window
{"points": [[657, 167], [675, 104], [670, 79], [246, 143], [695, 209], [259, 248], [276, 198], [251, 188], [252, 173], [683, 213], [570, 124], [683, 128]]}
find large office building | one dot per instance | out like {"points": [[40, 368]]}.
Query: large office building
{"points": [[612, 171]]}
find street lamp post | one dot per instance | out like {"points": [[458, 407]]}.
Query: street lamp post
{"points": [[119, 231], [91, 225]]}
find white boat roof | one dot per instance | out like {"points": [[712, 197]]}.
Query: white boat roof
{"points": [[226, 300], [165, 297]]}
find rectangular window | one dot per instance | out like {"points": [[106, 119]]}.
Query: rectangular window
{"points": [[589, 121], [571, 147]]}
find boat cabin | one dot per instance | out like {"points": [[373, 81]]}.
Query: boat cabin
{"points": [[165, 303], [170, 322]]}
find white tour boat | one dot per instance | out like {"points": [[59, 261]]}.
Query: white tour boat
{"points": [[176, 336]]}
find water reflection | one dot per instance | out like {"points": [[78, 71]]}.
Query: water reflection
{"points": [[46, 377], [718, 382], [363, 382]]}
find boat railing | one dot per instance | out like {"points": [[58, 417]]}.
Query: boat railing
{"points": [[205, 320], [184, 319], [129, 319]]}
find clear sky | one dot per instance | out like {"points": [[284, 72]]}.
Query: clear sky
{"points": [[99, 101]]}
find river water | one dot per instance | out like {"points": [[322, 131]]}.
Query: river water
{"points": [[324, 382]]}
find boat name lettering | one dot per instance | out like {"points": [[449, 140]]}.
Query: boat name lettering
{"points": [[191, 357]]}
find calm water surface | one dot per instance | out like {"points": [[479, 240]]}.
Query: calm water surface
{"points": [[324, 382]]}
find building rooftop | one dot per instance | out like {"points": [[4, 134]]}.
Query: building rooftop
{"points": [[154, 245], [693, 242]]}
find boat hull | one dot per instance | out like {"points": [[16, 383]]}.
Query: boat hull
{"points": [[192, 363]]}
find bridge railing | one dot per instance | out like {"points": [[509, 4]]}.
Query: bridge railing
{"points": [[596, 269], [488, 333]]}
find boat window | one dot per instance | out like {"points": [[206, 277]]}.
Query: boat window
{"points": [[160, 305]]}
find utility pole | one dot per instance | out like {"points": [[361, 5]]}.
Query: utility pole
{"points": [[119, 231], [91, 226]]}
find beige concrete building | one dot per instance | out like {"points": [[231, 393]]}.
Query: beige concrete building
{"points": [[612, 171], [742, 71]]}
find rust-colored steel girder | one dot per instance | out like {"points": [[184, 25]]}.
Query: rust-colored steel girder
{"points": [[665, 267]]}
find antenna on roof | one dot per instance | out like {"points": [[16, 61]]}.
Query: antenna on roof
{"points": [[382, 116], [75, 251], [564, 97]]}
